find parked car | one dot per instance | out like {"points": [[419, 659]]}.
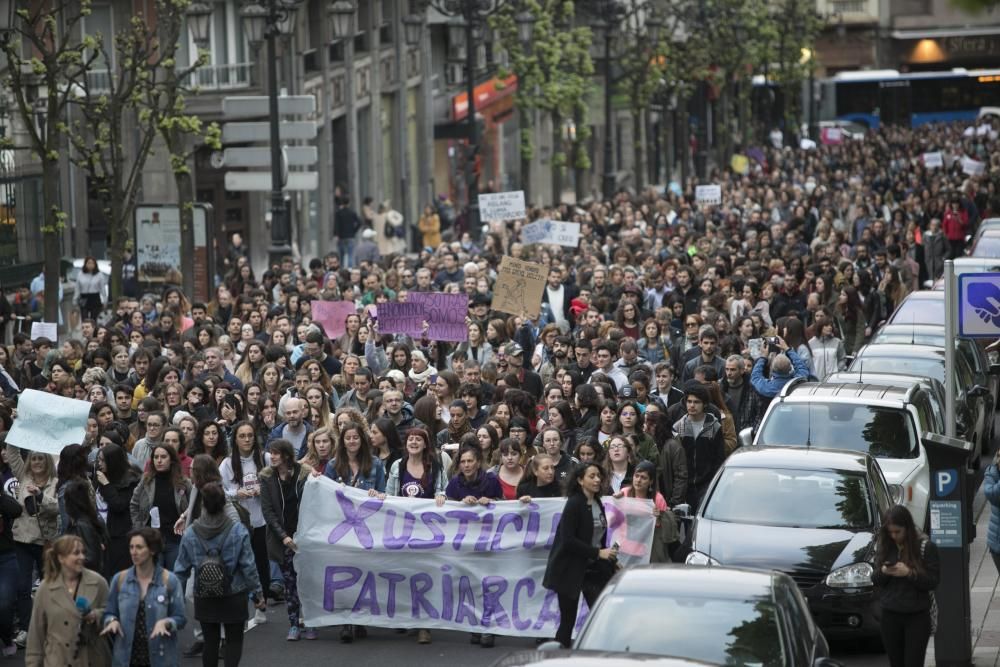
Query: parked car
{"points": [[593, 659], [986, 245], [720, 615], [934, 389], [985, 225], [811, 513], [974, 404], [882, 420], [986, 373]]}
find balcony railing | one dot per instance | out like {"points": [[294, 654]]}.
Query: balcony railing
{"points": [[208, 78], [849, 6]]}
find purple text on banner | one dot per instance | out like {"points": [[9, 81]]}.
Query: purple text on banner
{"points": [[445, 315], [332, 316], [401, 318]]}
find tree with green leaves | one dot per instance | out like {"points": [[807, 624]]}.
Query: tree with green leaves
{"points": [[793, 27], [554, 76], [45, 51]]}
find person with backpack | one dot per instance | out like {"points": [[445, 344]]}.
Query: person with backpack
{"points": [[218, 550], [145, 609], [84, 522]]}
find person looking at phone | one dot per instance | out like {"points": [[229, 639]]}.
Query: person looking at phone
{"points": [[785, 367]]}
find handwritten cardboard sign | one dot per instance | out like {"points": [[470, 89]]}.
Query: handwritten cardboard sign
{"points": [[552, 231], [519, 287], [502, 206], [402, 318], [332, 316], [445, 315], [44, 330]]}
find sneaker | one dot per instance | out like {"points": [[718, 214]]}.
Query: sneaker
{"points": [[195, 649], [293, 634], [310, 634], [346, 634], [259, 617], [21, 640], [486, 641], [475, 637], [10, 650], [423, 636]]}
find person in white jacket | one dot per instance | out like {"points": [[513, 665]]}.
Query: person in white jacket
{"points": [[828, 351]]}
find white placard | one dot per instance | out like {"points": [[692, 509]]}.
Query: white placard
{"points": [[552, 231], [973, 167], [500, 206], [933, 160], [48, 422], [407, 563], [48, 330], [708, 194]]}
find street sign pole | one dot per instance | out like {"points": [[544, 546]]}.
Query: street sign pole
{"points": [[950, 336]]}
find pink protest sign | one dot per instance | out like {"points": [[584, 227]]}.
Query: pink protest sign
{"points": [[445, 315], [332, 315]]}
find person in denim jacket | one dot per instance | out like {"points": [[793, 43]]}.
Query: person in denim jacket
{"points": [[161, 597], [354, 464], [215, 530]]}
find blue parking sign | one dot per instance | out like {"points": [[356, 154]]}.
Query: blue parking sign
{"points": [[979, 305]]}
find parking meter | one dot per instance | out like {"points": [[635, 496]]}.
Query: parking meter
{"points": [[950, 510]]}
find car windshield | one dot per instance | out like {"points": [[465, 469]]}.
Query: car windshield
{"points": [[881, 432], [719, 632], [988, 247], [919, 311], [791, 498], [932, 367]]}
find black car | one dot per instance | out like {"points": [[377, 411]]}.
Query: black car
{"points": [[813, 514], [719, 615]]}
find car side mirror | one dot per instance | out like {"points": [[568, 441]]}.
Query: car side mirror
{"points": [[827, 662], [979, 391], [995, 369], [683, 511], [848, 360], [550, 646], [746, 437]]}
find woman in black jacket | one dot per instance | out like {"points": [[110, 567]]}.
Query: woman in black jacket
{"points": [[281, 486], [907, 570], [575, 565], [116, 481]]}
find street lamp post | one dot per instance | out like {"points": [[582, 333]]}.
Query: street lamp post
{"points": [[610, 13], [472, 16], [265, 22]]}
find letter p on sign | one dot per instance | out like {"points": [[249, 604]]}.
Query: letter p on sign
{"points": [[944, 482]]}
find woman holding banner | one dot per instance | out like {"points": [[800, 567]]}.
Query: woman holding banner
{"points": [[579, 563]]}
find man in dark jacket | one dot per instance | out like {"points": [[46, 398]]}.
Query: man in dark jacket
{"points": [[700, 434], [346, 225]]}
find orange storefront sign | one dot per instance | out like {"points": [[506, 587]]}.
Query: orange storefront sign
{"points": [[485, 94]]}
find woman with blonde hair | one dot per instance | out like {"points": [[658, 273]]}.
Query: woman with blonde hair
{"points": [[320, 447], [68, 607], [345, 416], [251, 362], [318, 399]]}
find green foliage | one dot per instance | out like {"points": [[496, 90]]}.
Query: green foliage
{"points": [[555, 71], [976, 6]]}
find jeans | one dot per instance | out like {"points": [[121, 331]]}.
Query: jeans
{"points": [[345, 247], [29, 556], [905, 637], [169, 555], [8, 594]]}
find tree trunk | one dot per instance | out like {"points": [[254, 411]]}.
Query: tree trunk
{"points": [[185, 202], [669, 118], [118, 231], [558, 158], [50, 238], [683, 138], [638, 150], [579, 173], [743, 115]]}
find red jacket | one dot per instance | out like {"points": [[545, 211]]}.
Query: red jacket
{"points": [[955, 224]]}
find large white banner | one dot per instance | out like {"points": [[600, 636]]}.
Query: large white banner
{"points": [[46, 422], [407, 563]]}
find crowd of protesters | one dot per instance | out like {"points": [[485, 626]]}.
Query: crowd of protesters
{"points": [[208, 418]]}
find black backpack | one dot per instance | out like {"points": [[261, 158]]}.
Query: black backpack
{"points": [[211, 576]]}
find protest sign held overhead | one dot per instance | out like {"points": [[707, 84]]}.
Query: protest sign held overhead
{"points": [[332, 316], [552, 231], [47, 422], [933, 160], [519, 287], [502, 206], [708, 194], [445, 315], [402, 318]]}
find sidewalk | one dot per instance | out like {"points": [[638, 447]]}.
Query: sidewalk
{"points": [[985, 603]]}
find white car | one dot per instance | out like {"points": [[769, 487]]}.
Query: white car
{"points": [[882, 419]]}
